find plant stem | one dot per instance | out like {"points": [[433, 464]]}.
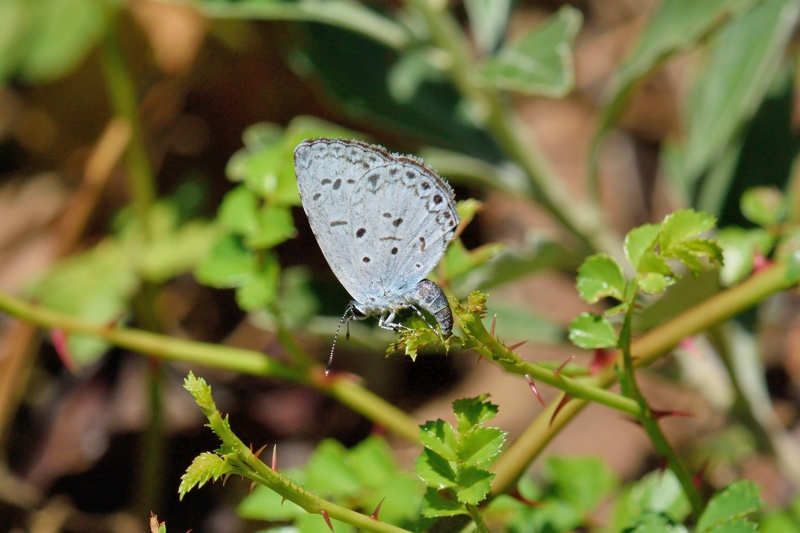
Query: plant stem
{"points": [[644, 351], [125, 104], [647, 418], [339, 387]]}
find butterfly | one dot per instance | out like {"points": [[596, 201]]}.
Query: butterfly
{"points": [[383, 222]]}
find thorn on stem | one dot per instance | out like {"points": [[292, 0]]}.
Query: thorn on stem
{"points": [[532, 385], [558, 370], [494, 323], [60, 338], [697, 479], [275, 458], [564, 400], [327, 518], [515, 346], [377, 510]]}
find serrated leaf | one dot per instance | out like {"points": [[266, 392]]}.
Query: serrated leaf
{"points": [[480, 446], [652, 263], [764, 206], [639, 241], [440, 437], [599, 277], [206, 466], [541, 62], [705, 248], [435, 470], [471, 412], [683, 225], [689, 259], [474, 484], [737, 500], [201, 392], [442, 503], [592, 331]]}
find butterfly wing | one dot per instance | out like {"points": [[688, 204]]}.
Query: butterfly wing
{"points": [[328, 172], [408, 215]]}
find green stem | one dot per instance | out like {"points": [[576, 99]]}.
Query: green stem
{"points": [[647, 418], [125, 104], [644, 351], [339, 387], [476, 516]]}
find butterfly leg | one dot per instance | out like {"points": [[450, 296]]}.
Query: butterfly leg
{"points": [[386, 321]]}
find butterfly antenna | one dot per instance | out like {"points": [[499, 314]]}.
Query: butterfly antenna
{"points": [[346, 318]]}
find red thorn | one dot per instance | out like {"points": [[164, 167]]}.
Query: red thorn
{"points": [[59, 338], [760, 262], [327, 518], [558, 370], [602, 358], [514, 347], [520, 498], [377, 510], [697, 479], [480, 357], [494, 323], [258, 452], [532, 385], [275, 458], [661, 414], [564, 400]]}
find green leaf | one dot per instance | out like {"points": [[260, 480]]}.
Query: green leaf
{"points": [[793, 267], [228, 265], [95, 286], [639, 241], [653, 283], [655, 523], [442, 503], [652, 263], [474, 484], [676, 26], [488, 20], [737, 525], [201, 392], [737, 500], [739, 247], [238, 211], [42, 41], [480, 446], [599, 277], [582, 481], [683, 225], [541, 62], [274, 226], [328, 473], [262, 289], [440, 437], [206, 466], [472, 412], [657, 492], [435, 470], [266, 504], [765, 206], [740, 68], [592, 331]]}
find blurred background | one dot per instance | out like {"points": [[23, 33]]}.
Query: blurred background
{"points": [[108, 107]]}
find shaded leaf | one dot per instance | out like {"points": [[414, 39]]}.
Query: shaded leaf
{"points": [[599, 277], [592, 331]]}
